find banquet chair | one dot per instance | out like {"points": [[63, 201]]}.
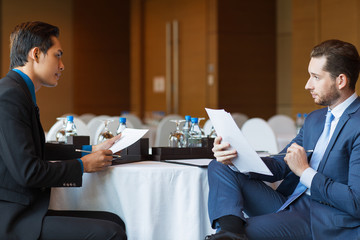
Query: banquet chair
{"points": [[284, 128], [112, 126], [86, 117], [81, 129], [133, 119], [260, 135], [207, 127], [164, 129], [239, 118], [282, 124], [94, 124], [262, 138], [51, 135]]}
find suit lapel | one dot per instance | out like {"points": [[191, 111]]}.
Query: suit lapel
{"points": [[15, 76], [342, 121]]}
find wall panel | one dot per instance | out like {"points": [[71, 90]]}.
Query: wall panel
{"points": [[101, 57], [53, 102]]}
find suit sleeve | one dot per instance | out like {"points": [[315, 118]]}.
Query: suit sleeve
{"points": [[342, 191], [20, 146], [55, 151], [277, 165]]}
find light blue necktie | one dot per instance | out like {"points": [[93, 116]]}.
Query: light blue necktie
{"points": [[318, 154]]}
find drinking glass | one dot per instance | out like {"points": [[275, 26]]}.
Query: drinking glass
{"points": [[60, 134], [105, 132], [201, 129], [177, 138]]}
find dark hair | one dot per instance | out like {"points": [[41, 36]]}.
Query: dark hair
{"points": [[27, 36], [341, 58]]}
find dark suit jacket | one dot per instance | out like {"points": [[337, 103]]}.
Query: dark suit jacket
{"points": [[335, 189], [25, 176]]}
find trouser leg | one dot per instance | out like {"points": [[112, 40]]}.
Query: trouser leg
{"points": [[232, 193], [94, 225], [290, 224]]}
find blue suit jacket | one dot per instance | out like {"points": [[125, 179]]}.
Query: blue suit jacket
{"points": [[335, 189]]}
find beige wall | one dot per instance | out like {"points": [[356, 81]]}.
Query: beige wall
{"points": [[283, 57], [313, 22], [52, 102]]}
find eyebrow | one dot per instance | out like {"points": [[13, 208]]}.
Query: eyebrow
{"points": [[312, 73]]}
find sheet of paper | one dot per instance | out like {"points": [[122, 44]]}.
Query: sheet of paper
{"points": [[247, 159], [128, 137], [201, 162]]}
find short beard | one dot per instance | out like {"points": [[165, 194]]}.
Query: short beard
{"points": [[330, 98]]}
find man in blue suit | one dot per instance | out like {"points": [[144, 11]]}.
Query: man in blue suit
{"points": [[324, 186]]}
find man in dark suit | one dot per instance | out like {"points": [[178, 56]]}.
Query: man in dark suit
{"points": [[26, 176], [319, 197]]}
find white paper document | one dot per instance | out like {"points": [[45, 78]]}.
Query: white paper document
{"points": [[128, 137], [247, 159]]}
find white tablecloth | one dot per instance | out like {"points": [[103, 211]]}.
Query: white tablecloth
{"points": [[156, 200]]}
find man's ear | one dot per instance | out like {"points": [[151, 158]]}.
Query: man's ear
{"points": [[342, 81], [34, 54]]}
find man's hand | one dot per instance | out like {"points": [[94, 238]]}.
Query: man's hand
{"points": [[221, 153], [97, 161], [101, 158], [296, 159], [107, 144]]}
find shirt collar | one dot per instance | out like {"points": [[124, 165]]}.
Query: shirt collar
{"points": [[28, 82], [339, 109]]}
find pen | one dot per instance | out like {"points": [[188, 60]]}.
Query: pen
{"points": [[80, 150], [283, 154]]}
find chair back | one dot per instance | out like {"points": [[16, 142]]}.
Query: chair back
{"points": [[112, 126], [207, 127], [51, 135], [164, 129], [81, 129], [282, 124], [134, 120], [94, 124], [239, 119], [260, 135], [86, 117]]}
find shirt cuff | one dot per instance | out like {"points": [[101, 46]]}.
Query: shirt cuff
{"points": [[86, 148], [307, 177], [82, 165]]}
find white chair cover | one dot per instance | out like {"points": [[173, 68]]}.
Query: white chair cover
{"points": [[86, 117], [51, 135], [262, 138], [284, 128], [94, 124], [239, 118], [207, 127], [164, 128], [81, 129], [260, 135], [112, 126], [134, 120], [282, 124]]}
